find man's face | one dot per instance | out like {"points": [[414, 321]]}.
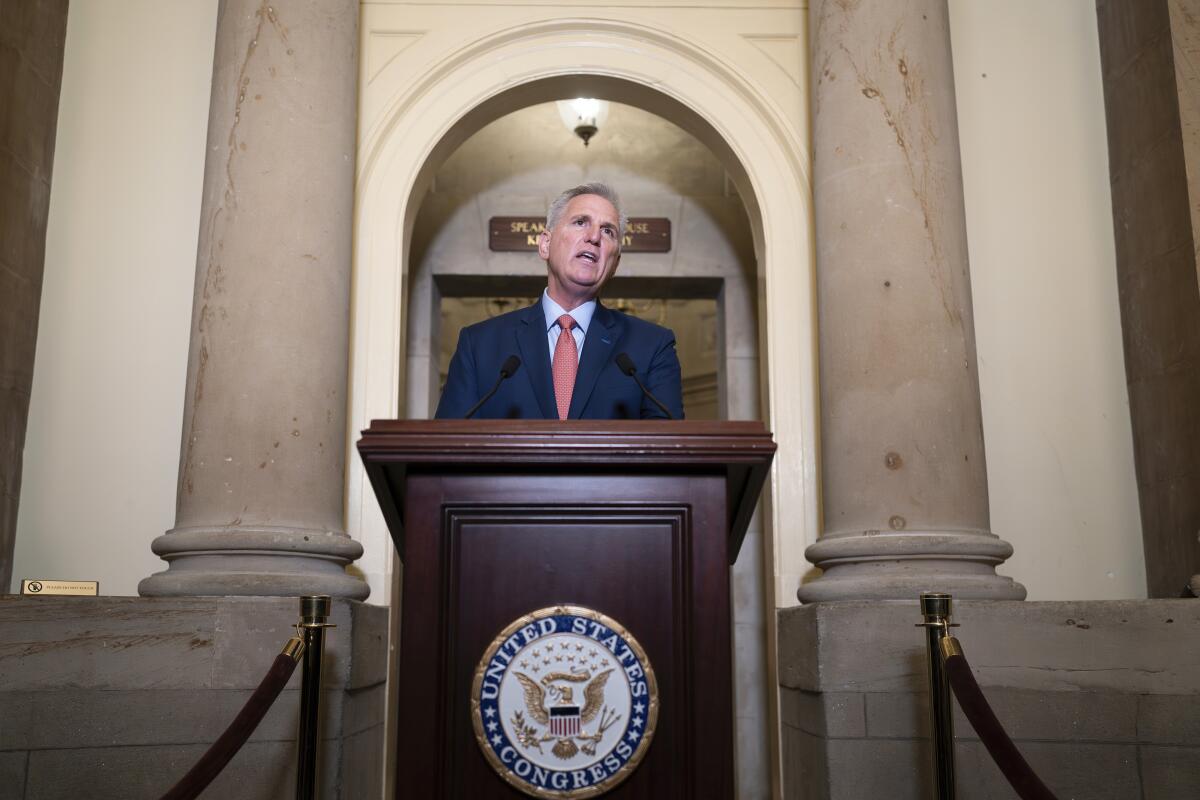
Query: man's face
{"points": [[582, 250]]}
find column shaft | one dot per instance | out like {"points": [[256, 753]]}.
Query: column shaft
{"points": [[260, 496], [904, 480]]}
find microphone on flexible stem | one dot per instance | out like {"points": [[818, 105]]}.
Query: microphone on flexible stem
{"points": [[625, 364], [507, 370]]}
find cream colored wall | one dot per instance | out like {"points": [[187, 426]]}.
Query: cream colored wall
{"points": [[102, 446], [1039, 224]]}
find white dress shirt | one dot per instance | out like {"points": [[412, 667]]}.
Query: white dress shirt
{"points": [[582, 316]]}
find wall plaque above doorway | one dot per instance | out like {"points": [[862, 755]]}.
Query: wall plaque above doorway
{"points": [[642, 234]]}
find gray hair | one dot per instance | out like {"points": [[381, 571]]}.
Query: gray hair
{"points": [[597, 188]]}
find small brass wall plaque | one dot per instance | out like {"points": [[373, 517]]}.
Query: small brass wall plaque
{"points": [[85, 588], [642, 234]]}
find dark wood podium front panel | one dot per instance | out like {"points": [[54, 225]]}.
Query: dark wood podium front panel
{"points": [[505, 545]]}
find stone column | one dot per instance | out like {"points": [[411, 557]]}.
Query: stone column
{"points": [[904, 483], [260, 497], [1148, 54], [32, 37]]}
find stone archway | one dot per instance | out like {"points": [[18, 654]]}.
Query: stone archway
{"points": [[419, 124], [639, 67]]}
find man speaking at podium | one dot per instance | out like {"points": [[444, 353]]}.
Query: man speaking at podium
{"points": [[567, 356]]}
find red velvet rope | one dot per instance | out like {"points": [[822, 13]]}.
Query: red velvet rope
{"points": [[1006, 755], [226, 747]]}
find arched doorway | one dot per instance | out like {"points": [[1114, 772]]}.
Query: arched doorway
{"points": [[702, 283], [413, 129]]}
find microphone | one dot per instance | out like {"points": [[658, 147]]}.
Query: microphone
{"points": [[507, 370], [625, 364]]}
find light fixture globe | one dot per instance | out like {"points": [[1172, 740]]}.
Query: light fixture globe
{"points": [[583, 116]]}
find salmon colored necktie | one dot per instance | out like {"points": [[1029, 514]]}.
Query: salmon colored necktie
{"points": [[565, 365]]}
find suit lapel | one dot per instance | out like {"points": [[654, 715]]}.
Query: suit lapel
{"points": [[535, 357], [597, 352]]}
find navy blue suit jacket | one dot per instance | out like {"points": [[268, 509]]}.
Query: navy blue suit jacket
{"points": [[602, 391]]}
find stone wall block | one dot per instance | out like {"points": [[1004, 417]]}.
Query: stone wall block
{"points": [[64, 642], [1169, 719], [1068, 770], [1170, 773], [363, 751], [898, 769], [12, 774], [1061, 716], [253, 630], [805, 771], [364, 710], [82, 718], [828, 715], [260, 771], [900, 715], [800, 649], [368, 645], [1124, 646], [1025, 714]]}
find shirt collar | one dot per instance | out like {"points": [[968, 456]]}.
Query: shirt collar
{"points": [[582, 314]]}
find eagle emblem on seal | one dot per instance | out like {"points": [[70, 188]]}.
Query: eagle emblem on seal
{"points": [[564, 719]]}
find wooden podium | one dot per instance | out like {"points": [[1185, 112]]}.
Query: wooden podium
{"points": [[494, 519]]}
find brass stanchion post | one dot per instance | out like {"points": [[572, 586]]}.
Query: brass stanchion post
{"points": [[935, 607], [314, 616]]}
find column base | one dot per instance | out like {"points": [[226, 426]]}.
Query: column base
{"points": [[899, 566], [257, 561]]}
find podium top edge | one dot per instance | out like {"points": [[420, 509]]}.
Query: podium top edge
{"points": [[578, 436], [652, 427]]}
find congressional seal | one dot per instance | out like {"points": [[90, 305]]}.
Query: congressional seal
{"points": [[564, 702]]}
